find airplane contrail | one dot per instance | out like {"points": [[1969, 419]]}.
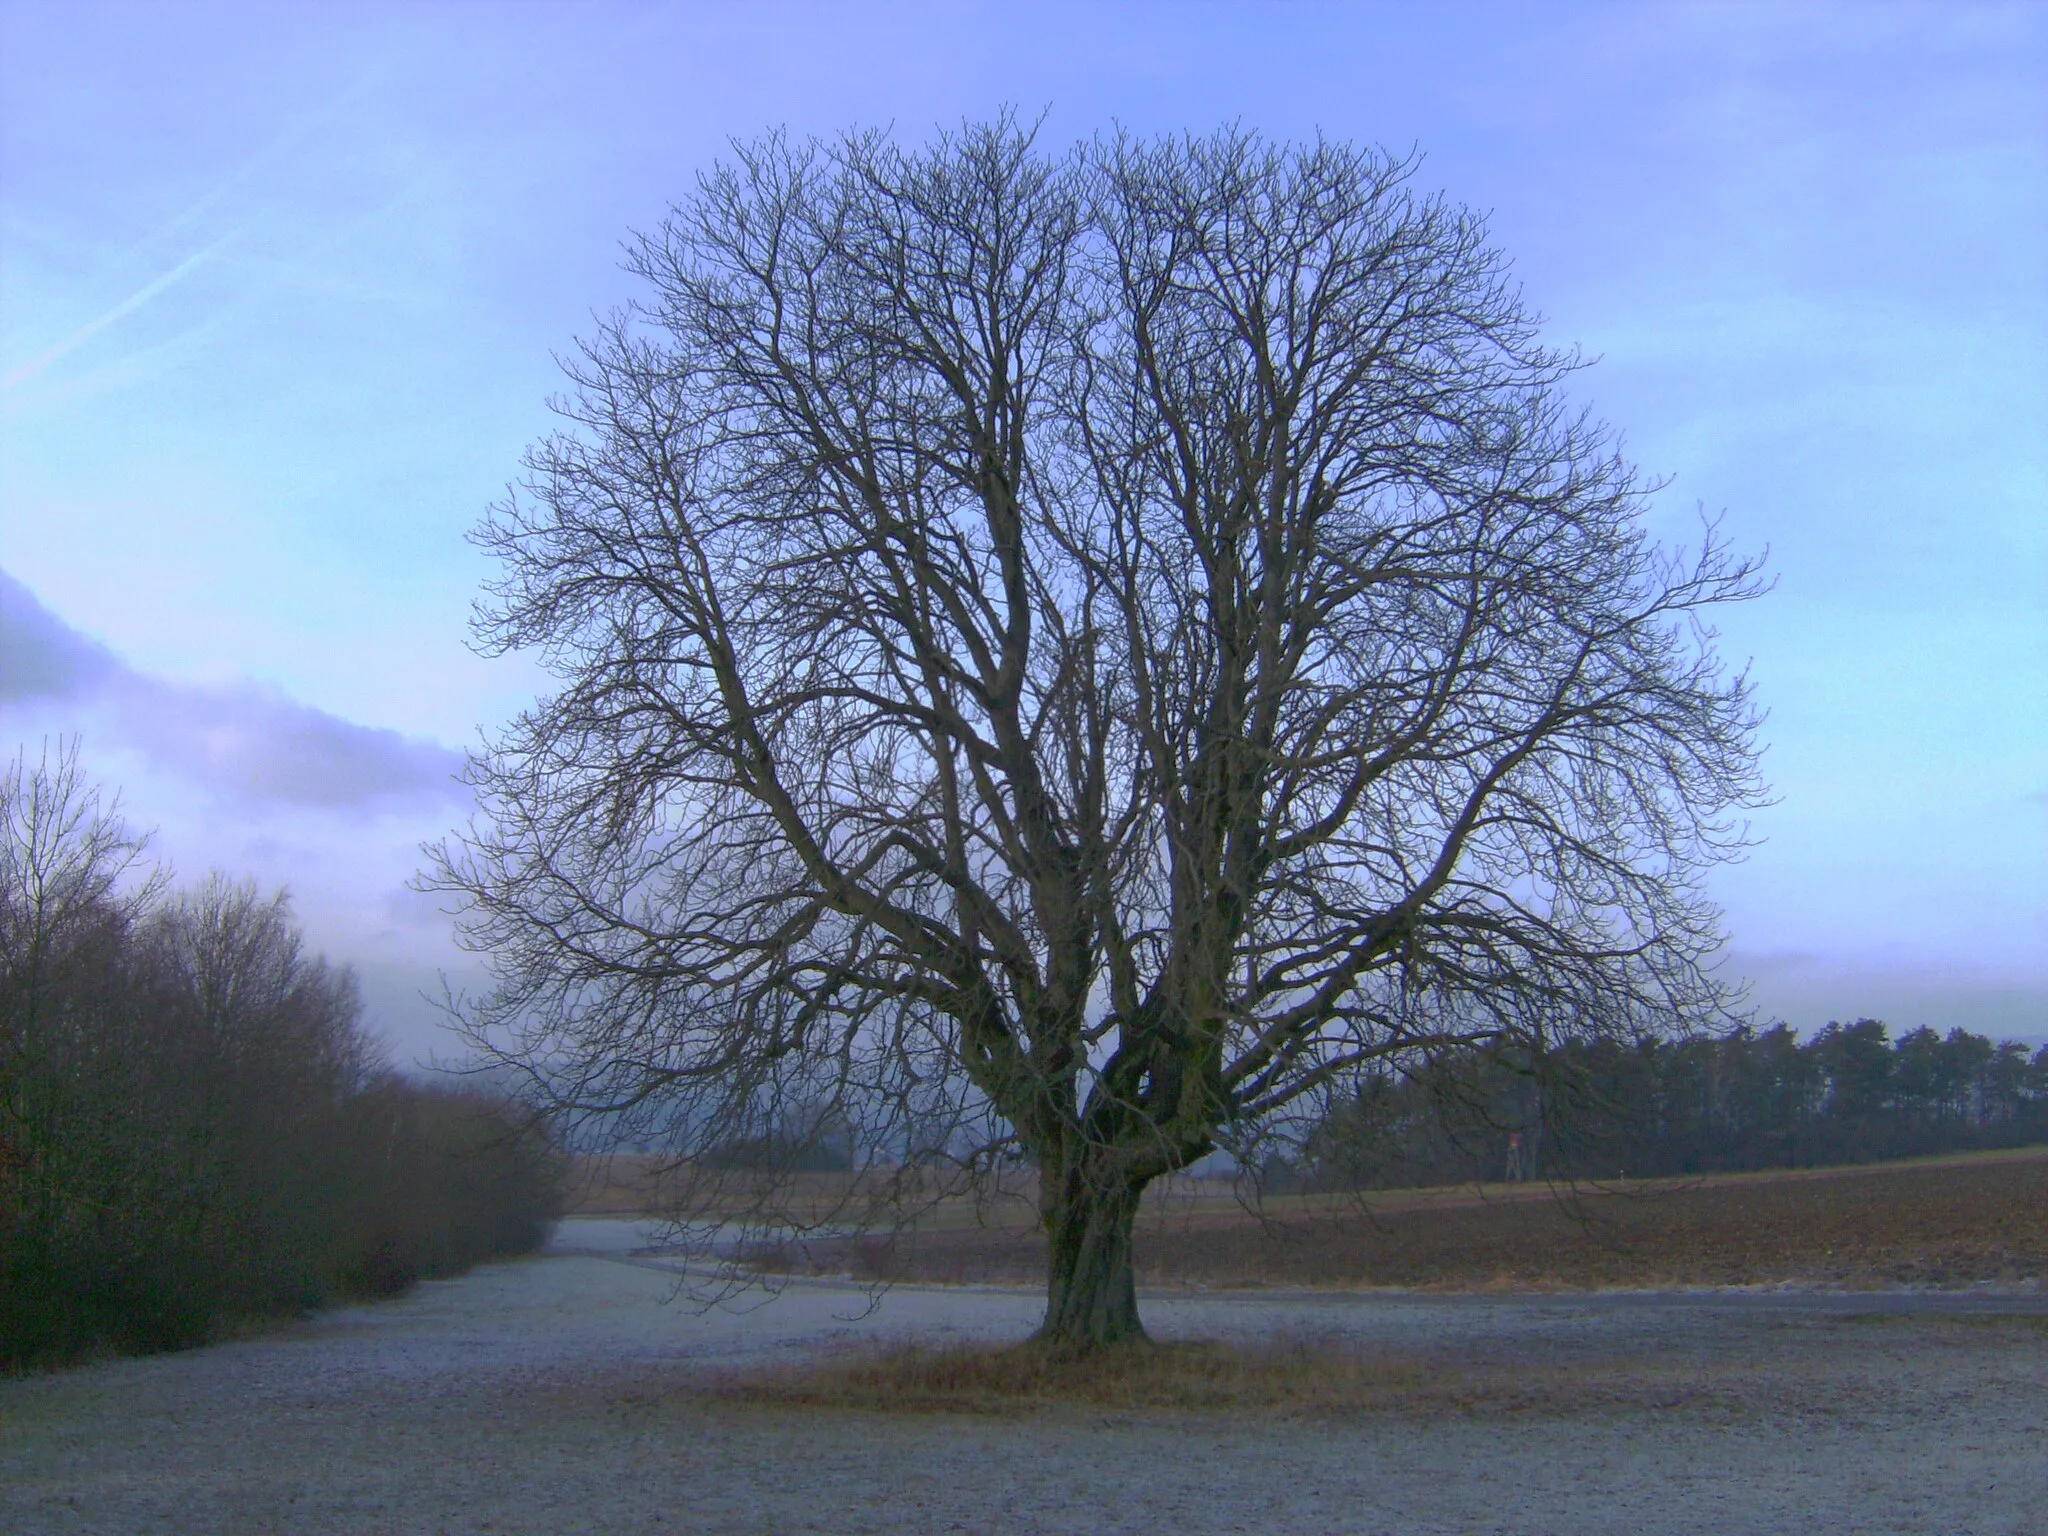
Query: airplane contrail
{"points": [[276, 150], [133, 302]]}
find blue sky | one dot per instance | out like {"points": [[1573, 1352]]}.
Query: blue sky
{"points": [[279, 288]]}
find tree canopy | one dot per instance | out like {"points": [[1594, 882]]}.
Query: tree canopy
{"points": [[1077, 656]]}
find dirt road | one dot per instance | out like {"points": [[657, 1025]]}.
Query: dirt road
{"points": [[556, 1395]]}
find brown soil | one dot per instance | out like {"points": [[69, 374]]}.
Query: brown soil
{"points": [[1941, 1221]]}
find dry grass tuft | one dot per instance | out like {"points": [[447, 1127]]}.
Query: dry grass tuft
{"points": [[1288, 1378], [916, 1378]]}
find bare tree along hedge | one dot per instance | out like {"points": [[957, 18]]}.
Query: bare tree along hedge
{"points": [[1072, 657], [194, 1126]]}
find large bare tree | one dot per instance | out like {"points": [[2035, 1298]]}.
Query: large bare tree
{"points": [[1072, 656]]}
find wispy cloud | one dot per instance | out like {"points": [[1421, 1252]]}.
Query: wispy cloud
{"points": [[127, 306], [247, 741], [189, 224]]}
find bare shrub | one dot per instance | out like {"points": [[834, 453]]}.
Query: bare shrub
{"points": [[195, 1125]]}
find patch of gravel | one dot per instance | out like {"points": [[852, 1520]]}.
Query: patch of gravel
{"points": [[557, 1394]]}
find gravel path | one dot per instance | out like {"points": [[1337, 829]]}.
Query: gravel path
{"points": [[538, 1397]]}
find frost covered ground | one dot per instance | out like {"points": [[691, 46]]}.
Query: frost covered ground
{"points": [[561, 1394]]}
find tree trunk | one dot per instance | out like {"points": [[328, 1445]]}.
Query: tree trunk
{"points": [[1091, 1296]]}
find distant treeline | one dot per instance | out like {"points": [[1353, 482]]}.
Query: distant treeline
{"points": [[195, 1127], [1753, 1099]]}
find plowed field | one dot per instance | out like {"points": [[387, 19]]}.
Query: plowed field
{"points": [[1942, 1221]]}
